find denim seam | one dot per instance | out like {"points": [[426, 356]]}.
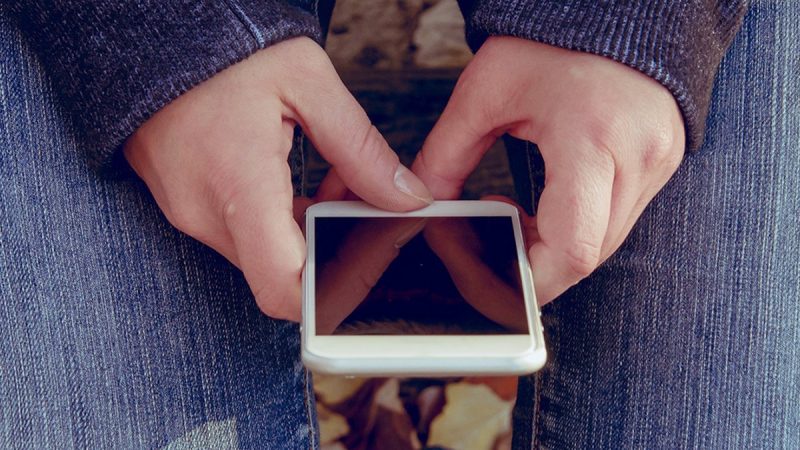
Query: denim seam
{"points": [[309, 413], [301, 147], [537, 403], [530, 177], [537, 408]]}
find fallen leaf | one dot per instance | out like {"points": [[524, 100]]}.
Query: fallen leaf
{"points": [[504, 441], [332, 446], [430, 402], [388, 396], [504, 387], [473, 418], [331, 389], [393, 429], [332, 426], [360, 411]]}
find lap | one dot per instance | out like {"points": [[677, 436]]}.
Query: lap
{"points": [[118, 331], [688, 336]]}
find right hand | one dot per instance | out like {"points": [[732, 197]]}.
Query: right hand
{"points": [[215, 160]]}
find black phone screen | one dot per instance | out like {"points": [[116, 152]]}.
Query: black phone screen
{"points": [[420, 276]]}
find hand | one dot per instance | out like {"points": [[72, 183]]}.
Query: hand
{"points": [[610, 138], [215, 160]]}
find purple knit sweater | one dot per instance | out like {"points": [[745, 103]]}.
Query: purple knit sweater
{"points": [[116, 62]]}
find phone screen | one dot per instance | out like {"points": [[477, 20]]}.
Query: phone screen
{"points": [[420, 276]]}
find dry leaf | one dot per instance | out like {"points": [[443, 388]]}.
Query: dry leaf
{"points": [[331, 389], [430, 402], [504, 387], [504, 442], [473, 418], [332, 426], [393, 429], [333, 446], [388, 396], [360, 411]]}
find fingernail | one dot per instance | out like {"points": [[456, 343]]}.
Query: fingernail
{"points": [[410, 233], [408, 183]]}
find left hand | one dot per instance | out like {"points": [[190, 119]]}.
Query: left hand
{"points": [[610, 138]]}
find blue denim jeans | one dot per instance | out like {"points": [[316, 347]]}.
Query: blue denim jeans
{"points": [[689, 336], [118, 331]]}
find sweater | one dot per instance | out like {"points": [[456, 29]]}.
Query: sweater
{"points": [[117, 62]]}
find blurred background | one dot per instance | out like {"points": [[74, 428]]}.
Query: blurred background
{"points": [[397, 34], [401, 59]]}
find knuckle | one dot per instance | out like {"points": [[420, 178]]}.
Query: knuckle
{"points": [[274, 300], [440, 172], [276, 295], [603, 130], [661, 151], [582, 258], [186, 219]]}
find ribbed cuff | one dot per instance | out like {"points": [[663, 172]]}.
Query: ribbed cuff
{"points": [[678, 43], [117, 63]]}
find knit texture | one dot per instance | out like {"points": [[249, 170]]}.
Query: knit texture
{"points": [[679, 43], [115, 63]]}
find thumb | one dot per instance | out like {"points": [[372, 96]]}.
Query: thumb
{"points": [[470, 123], [343, 134]]}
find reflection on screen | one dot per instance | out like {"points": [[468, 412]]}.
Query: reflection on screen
{"points": [[430, 276]]}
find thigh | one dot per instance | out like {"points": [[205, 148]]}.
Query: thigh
{"points": [[118, 331], [688, 337]]}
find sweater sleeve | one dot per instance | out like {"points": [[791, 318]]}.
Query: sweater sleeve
{"points": [[679, 43], [115, 63]]}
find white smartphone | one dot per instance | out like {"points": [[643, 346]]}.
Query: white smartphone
{"points": [[443, 291]]}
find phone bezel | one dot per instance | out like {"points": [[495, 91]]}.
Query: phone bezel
{"points": [[428, 355]]}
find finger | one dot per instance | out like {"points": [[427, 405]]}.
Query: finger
{"points": [[634, 188], [343, 134], [468, 126], [363, 257], [268, 241], [331, 188], [529, 232], [299, 207], [572, 218], [626, 209]]}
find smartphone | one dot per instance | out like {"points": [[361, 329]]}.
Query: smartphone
{"points": [[443, 291]]}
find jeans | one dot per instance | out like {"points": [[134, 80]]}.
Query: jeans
{"points": [[689, 336], [120, 332], [117, 331]]}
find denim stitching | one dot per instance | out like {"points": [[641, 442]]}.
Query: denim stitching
{"points": [[537, 410], [537, 383], [307, 393]]}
